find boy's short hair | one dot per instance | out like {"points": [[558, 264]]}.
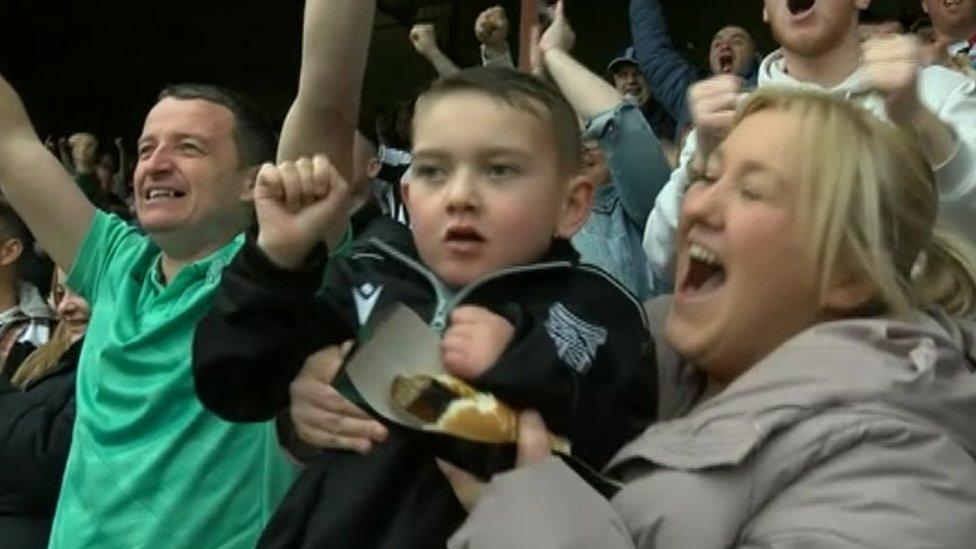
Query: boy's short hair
{"points": [[524, 92], [12, 226]]}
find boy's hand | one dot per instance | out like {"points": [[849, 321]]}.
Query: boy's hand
{"points": [[423, 38], [299, 204], [474, 341], [491, 28], [325, 419], [559, 35]]}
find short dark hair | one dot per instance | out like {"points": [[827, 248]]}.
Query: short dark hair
{"points": [[12, 226], [521, 91], [254, 134]]}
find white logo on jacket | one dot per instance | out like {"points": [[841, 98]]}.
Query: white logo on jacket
{"points": [[365, 297], [576, 340]]}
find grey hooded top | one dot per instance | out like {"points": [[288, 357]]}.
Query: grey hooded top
{"points": [[855, 433]]}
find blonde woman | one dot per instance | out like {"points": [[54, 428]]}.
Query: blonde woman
{"points": [[814, 361], [37, 413]]}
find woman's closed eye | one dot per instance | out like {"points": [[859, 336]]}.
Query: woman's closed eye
{"points": [[700, 177]]}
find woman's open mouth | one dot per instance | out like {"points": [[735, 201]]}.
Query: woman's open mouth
{"points": [[705, 272]]}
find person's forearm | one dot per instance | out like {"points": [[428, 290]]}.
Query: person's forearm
{"points": [[587, 93], [325, 113], [246, 349], [933, 136], [497, 57], [31, 178], [442, 63], [545, 505], [638, 166], [668, 73]]}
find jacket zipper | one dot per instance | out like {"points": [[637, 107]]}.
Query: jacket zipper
{"points": [[448, 299]]}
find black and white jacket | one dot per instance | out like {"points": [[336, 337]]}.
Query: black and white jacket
{"points": [[581, 356]]}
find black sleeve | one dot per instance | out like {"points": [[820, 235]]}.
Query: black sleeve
{"points": [[35, 436], [528, 374], [263, 323], [586, 363]]}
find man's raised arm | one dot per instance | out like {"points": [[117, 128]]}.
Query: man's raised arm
{"points": [[37, 185], [324, 116]]}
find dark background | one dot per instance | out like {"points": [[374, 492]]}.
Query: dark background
{"points": [[97, 65]]}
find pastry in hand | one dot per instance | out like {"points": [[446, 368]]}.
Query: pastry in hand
{"points": [[445, 404]]}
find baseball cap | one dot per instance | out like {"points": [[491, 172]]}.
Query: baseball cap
{"points": [[626, 57]]}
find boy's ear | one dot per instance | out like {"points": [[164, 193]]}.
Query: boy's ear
{"points": [[576, 206], [10, 251], [373, 168], [405, 191], [765, 15]]}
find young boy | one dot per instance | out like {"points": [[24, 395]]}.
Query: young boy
{"points": [[493, 198]]}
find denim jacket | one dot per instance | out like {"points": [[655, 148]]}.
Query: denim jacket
{"points": [[611, 238]]}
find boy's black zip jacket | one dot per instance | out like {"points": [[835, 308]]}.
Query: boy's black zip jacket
{"points": [[581, 356]]}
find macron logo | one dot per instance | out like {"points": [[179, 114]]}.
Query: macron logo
{"points": [[365, 297]]}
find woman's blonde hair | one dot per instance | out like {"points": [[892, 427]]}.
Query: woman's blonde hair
{"points": [[871, 205], [46, 357]]}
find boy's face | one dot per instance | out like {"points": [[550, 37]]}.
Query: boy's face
{"points": [[486, 190]]}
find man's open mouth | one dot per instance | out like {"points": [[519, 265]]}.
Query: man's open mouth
{"points": [[950, 4], [159, 194], [798, 7], [725, 62]]}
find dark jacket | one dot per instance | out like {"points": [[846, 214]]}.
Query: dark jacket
{"points": [[668, 73], [581, 356], [35, 435]]}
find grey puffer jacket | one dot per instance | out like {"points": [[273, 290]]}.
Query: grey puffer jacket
{"points": [[857, 433]]}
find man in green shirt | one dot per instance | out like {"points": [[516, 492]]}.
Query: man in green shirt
{"points": [[149, 467]]}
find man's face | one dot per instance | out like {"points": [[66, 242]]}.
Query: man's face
{"points": [[188, 184], [486, 190], [955, 19], [732, 50], [629, 80], [812, 28]]}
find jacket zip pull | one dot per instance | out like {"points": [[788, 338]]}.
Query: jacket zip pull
{"points": [[439, 321]]}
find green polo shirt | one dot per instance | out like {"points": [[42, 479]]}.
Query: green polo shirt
{"points": [[149, 466]]}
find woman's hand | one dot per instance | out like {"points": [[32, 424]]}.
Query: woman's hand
{"points": [[533, 446], [323, 418]]}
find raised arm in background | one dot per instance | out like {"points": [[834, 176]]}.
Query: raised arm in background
{"points": [[424, 40], [491, 30], [37, 185], [668, 73], [325, 114], [634, 155]]}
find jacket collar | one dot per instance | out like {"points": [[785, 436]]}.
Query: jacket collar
{"points": [[30, 305]]}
